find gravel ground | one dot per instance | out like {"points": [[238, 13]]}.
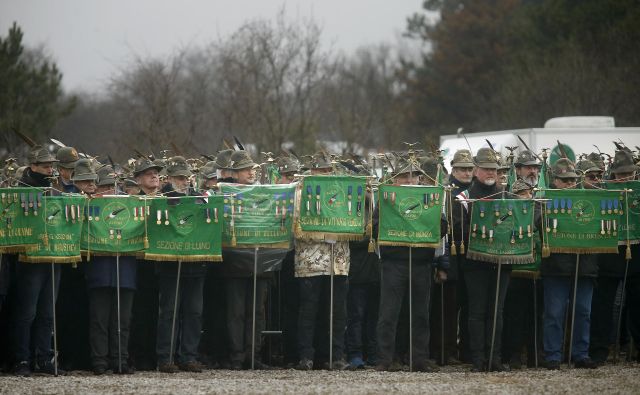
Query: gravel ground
{"points": [[620, 379]]}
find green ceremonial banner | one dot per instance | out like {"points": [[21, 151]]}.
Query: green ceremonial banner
{"points": [[60, 240], [502, 231], [114, 225], [410, 215], [20, 224], [187, 229], [629, 222], [331, 208], [530, 270], [258, 215], [581, 221]]}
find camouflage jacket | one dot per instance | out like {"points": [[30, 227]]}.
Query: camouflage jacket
{"points": [[313, 258]]}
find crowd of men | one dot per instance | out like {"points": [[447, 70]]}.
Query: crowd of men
{"points": [[452, 303]]}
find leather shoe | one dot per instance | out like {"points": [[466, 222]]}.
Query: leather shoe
{"points": [[168, 368], [586, 363], [552, 365]]}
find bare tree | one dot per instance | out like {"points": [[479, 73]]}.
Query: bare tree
{"points": [[268, 74]]}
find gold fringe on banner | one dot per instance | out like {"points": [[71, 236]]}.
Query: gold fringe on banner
{"points": [[50, 259], [18, 248], [251, 246], [404, 244], [584, 250], [503, 259], [183, 258], [106, 253], [322, 236], [628, 242]]}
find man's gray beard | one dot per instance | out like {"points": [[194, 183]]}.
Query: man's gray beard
{"points": [[531, 180], [489, 182], [179, 189]]}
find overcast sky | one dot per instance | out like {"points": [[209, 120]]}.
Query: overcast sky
{"points": [[91, 39]]}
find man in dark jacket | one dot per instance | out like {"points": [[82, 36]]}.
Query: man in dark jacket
{"points": [[145, 306], [611, 271], [72, 305], [35, 290], [480, 277], [394, 286], [101, 278], [239, 285], [558, 272], [67, 158], [189, 307], [455, 291]]}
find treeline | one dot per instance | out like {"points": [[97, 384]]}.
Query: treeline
{"points": [[485, 65]]}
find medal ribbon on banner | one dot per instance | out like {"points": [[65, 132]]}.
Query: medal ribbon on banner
{"points": [[60, 242], [187, 229], [21, 226], [410, 215], [582, 221], [258, 215], [114, 225], [331, 208], [502, 231]]}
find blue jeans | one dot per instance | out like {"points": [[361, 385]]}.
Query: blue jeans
{"points": [[188, 318], [33, 306], [557, 293]]}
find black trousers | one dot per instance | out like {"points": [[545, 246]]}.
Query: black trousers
{"points": [[72, 315], [520, 319], [314, 292], [239, 317], [395, 284], [448, 304], [290, 310], [602, 311], [363, 301], [481, 290], [103, 325], [145, 318]]}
